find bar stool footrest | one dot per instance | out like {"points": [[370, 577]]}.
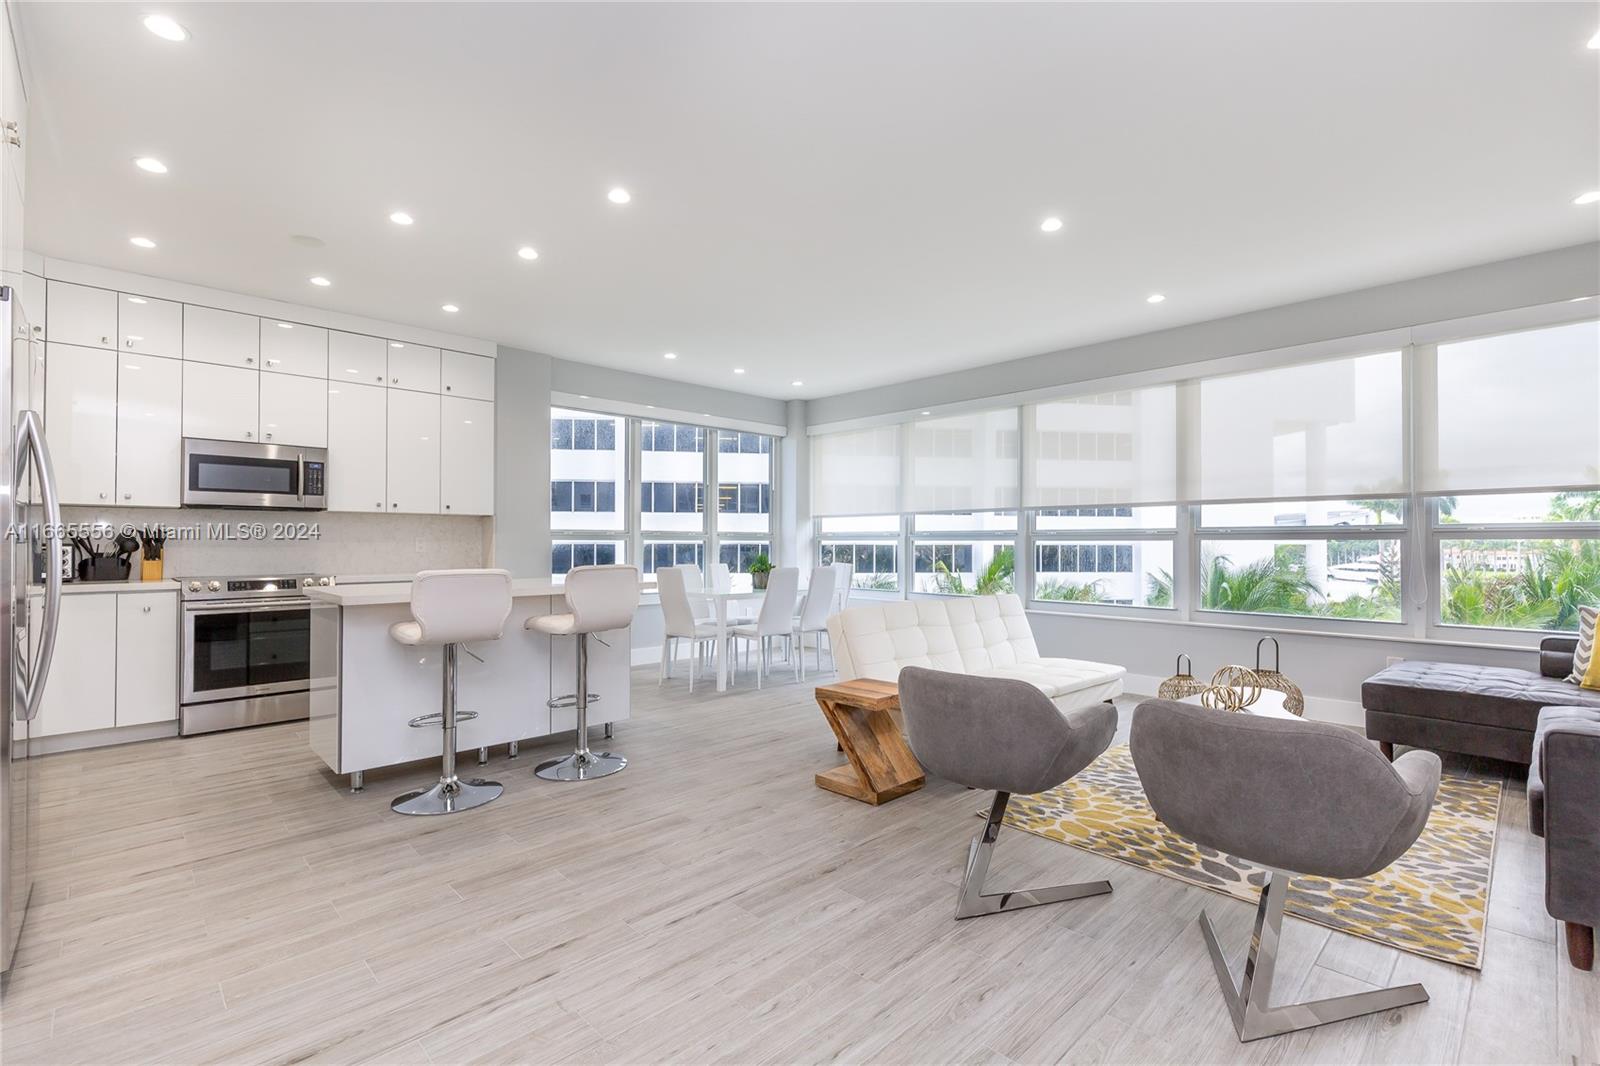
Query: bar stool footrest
{"points": [[437, 717], [569, 700]]}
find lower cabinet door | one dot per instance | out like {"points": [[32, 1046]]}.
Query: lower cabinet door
{"points": [[81, 692], [413, 452], [147, 657]]}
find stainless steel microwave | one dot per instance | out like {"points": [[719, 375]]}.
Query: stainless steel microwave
{"points": [[228, 473]]}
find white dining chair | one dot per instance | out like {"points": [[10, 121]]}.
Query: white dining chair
{"points": [[813, 617], [846, 581], [680, 623], [775, 620]]}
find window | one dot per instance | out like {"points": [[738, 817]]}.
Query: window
{"points": [[1517, 561], [660, 553], [1345, 564], [1120, 555], [737, 555], [570, 431], [566, 554], [870, 544], [588, 463], [963, 553], [587, 497], [672, 495], [744, 486]]}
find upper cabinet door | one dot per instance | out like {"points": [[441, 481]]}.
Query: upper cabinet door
{"points": [[81, 420], [468, 376], [78, 314], [358, 439], [294, 410], [466, 455], [293, 348], [413, 366], [224, 337], [413, 453], [357, 358], [149, 430], [220, 402], [148, 326]]}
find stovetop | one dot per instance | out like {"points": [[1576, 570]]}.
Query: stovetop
{"points": [[253, 588]]}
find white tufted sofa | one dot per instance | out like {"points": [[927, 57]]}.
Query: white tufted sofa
{"points": [[983, 635]]}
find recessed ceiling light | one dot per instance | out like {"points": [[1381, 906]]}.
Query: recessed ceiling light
{"points": [[797, 384], [286, 325], [141, 242], [738, 370], [449, 309], [927, 412], [1588, 198], [650, 406], [396, 344], [1594, 42], [669, 355], [320, 281], [582, 397], [1155, 298], [527, 253], [165, 28], [1050, 225], [400, 218], [351, 370], [151, 164], [619, 195], [1579, 299], [137, 300]]}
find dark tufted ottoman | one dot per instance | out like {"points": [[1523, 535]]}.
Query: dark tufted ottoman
{"points": [[1475, 710]]}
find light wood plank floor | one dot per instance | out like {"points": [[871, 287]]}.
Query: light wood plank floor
{"points": [[223, 899]]}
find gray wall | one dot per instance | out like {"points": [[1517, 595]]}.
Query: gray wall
{"points": [[1563, 274], [522, 462]]}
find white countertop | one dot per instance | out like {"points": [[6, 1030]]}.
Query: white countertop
{"points": [[77, 588], [391, 592]]}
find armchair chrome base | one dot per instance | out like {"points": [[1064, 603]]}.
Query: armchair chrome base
{"points": [[1248, 1000], [447, 797], [972, 903], [581, 766]]}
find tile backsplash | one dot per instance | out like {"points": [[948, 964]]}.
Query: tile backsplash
{"points": [[337, 543]]}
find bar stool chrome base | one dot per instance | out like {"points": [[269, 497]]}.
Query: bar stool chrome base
{"points": [[448, 797], [581, 766]]}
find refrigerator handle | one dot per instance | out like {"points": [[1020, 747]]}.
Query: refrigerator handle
{"points": [[30, 442]]}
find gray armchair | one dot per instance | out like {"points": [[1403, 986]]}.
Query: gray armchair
{"points": [[1564, 808], [1294, 797], [995, 733]]}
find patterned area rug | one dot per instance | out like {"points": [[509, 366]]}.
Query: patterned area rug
{"points": [[1432, 902]]}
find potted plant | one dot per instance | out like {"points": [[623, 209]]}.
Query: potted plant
{"points": [[760, 567]]}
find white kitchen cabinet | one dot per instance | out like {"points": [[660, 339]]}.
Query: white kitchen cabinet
{"points": [[413, 474], [147, 656], [14, 129], [224, 337], [149, 430], [81, 315], [358, 437], [355, 357], [466, 455], [293, 348], [468, 376], [294, 410], [81, 421], [11, 226], [81, 691], [413, 366], [221, 402], [149, 326]]}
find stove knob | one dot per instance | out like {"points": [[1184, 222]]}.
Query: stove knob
{"points": [[324, 581], [215, 586], [194, 586], [305, 582]]}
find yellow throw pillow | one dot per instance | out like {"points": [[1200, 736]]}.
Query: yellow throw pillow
{"points": [[1591, 676]]}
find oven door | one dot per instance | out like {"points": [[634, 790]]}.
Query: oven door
{"points": [[238, 649], [222, 473]]}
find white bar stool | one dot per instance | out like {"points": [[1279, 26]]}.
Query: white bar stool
{"points": [[601, 598], [451, 608]]}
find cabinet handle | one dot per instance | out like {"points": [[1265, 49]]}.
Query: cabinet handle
{"points": [[127, 495], [379, 379], [249, 359], [394, 381], [273, 362], [378, 504], [447, 388], [102, 495], [249, 434], [130, 342], [394, 505], [146, 610], [447, 507], [269, 436], [105, 340]]}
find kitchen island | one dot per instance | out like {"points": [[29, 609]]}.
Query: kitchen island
{"points": [[366, 686]]}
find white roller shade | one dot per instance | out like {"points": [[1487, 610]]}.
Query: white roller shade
{"points": [[856, 472], [1516, 411], [1330, 430], [1112, 448], [964, 462]]}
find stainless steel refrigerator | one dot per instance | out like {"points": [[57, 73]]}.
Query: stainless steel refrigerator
{"points": [[30, 608]]}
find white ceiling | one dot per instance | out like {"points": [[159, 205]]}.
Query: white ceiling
{"points": [[849, 195]]}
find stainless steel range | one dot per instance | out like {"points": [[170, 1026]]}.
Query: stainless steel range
{"points": [[246, 650]]}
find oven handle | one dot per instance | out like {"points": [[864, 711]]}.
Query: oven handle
{"points": [[300, 477], [249, 606]]}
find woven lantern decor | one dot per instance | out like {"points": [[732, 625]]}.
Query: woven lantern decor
{"points": [[1232, 688], [1182, 683], [1294, 700]]}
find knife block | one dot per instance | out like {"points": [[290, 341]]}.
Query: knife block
{"points": [[150, 570]]}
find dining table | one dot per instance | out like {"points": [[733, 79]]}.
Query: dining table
{"points": [[720, 601]]}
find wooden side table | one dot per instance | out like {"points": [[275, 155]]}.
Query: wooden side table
{"points": [[863, 715]]}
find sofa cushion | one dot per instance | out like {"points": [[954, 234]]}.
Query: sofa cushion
{"points": [[1550, 718], [1479, 695]]}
